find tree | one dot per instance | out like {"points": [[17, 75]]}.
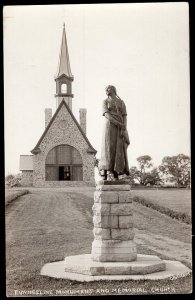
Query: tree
{"points": [[152, 177], [144, 163], [176, 169], [134, 174]]}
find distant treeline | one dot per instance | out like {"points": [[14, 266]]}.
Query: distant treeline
{"points": [[173, 171]]}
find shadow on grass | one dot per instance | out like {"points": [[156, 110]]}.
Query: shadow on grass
{"points": [[84, 204]]}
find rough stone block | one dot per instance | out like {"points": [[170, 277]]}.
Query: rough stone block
{"points": [[121, 209], [105, 221], [122, 234], [114, 257], [83, 264], [117, 182], [97, 270], [113, 250], [110, 250], [125, 187], [106, 197], [101, 233], [114, 244], [125, 196], [101, 208], [147, 269], [125, 222]]}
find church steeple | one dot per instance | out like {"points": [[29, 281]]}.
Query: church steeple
{"points": [[64, 76]]}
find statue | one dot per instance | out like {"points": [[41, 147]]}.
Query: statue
{"points": [[115, 139]]}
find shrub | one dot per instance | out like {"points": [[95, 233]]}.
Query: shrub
{"points": [[13, 180]]}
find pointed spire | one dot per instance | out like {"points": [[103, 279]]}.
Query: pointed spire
{"points": [[64, 63]]}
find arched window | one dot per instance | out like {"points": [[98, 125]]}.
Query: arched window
{"points": [[64, 88], [64, 162]]}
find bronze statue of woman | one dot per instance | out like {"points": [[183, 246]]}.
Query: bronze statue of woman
{"points": [[115, 139]]}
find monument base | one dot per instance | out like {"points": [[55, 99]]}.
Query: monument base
{"points": [[83, 268], [85, 265]]}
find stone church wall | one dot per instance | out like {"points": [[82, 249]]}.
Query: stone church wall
{"points": [[63, 131]]}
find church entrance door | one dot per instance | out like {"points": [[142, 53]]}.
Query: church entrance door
{"points": [[64, 173], [62, 163]]}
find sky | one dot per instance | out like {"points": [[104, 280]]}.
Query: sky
{"points": [[142, 49]]}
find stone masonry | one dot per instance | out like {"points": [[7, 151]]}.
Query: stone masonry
{"points": [[56, 135], [27, 178], [113, 224], [48, 116]]}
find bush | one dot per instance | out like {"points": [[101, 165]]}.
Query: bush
{"points": [[13, 180]]}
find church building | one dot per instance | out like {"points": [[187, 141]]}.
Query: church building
{"points": [[63, 156]]}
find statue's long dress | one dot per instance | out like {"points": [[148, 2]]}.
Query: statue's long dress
{"points": [[114, 144]]}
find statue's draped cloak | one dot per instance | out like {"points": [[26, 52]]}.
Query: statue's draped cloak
{"points": [[114, 140]]}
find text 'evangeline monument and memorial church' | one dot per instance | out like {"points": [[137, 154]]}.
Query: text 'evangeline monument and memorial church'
{"points": [[63, 155]]}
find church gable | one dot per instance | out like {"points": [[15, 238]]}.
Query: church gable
{"points": [[63, 153], [63, 128]]}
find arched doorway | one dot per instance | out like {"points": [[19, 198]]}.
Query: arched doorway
{"points": [[63, 163]]}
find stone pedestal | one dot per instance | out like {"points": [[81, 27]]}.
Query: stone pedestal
{"points": [[113, 223]]}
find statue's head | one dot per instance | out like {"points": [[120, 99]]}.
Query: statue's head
{"points": [[110, 90]]}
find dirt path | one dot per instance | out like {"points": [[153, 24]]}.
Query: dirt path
{"points": [[172, 249], [162, 234]]}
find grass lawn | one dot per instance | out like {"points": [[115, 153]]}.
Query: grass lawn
{"points": [[172, 202], [11, 195], [177, 199], [45, 226]]}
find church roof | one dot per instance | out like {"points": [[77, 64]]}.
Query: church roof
{"points": [[37, 150], [64, 63]]}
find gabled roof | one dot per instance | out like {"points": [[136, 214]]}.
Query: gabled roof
{"points": [[37, 150], [64, 63]]}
